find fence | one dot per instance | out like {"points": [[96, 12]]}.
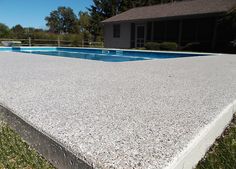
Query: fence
{"points": [[53, 42]]}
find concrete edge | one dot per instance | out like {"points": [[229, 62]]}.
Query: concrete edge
{"points": [[52, 151], [197, 149]]}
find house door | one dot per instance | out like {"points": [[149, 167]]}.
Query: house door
{"points": [[140, 36]]}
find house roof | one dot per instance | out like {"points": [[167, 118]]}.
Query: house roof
{"points": [[175, 9]]}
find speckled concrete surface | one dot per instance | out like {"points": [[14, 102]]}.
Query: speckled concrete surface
{"points": [[118, 115]]}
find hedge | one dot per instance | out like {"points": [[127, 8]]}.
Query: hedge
{"points": [[161, 46], [152, 46], [168, 46]]}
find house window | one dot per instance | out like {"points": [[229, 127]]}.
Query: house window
{"points": [[116, 30]]}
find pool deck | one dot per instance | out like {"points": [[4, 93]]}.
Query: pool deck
{"points": [[129, 115]]}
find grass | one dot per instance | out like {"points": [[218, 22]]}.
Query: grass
{"points": [[16, 154], [222, 154]]}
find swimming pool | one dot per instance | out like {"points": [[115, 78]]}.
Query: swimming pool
{"points": [[106, 55]]}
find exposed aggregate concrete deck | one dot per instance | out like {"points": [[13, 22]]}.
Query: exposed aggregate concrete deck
{"points": [[118, 115]]}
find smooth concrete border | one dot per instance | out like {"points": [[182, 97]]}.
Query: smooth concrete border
{"points": [[46, 146], [197, 149]]}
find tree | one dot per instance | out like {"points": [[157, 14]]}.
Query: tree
{"points": [[4, 31], [100, 10], [83, 21], [229, 20], [18, 31], [95, 20], [62, 20], [231, 17], [84, 25]]}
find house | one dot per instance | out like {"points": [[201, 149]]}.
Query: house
{"points": [[182, 22]]}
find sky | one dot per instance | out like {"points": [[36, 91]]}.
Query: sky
{"points": [[31, 13]]}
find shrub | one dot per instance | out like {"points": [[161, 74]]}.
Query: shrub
{"points": [[168, 46], [152, 46], [192, 46]]}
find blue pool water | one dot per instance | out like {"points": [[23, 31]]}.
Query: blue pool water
{"points": [[101, 54], [90, 56]]}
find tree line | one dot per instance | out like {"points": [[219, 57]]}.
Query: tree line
{"points": [[62, 23]]}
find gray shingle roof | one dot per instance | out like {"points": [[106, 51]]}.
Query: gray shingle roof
{"points": [[175, 9]]}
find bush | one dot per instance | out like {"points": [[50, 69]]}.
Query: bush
{"points": [[192, 46], [161, 46], [168, 46], [152, 46]]}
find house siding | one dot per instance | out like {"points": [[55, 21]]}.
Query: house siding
{"points": [[124, 41]]}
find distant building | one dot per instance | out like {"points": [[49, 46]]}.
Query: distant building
{"points": [[182, 22]]}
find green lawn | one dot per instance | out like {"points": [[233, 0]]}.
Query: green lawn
{"points": [[16, 154], [222, 155]]}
